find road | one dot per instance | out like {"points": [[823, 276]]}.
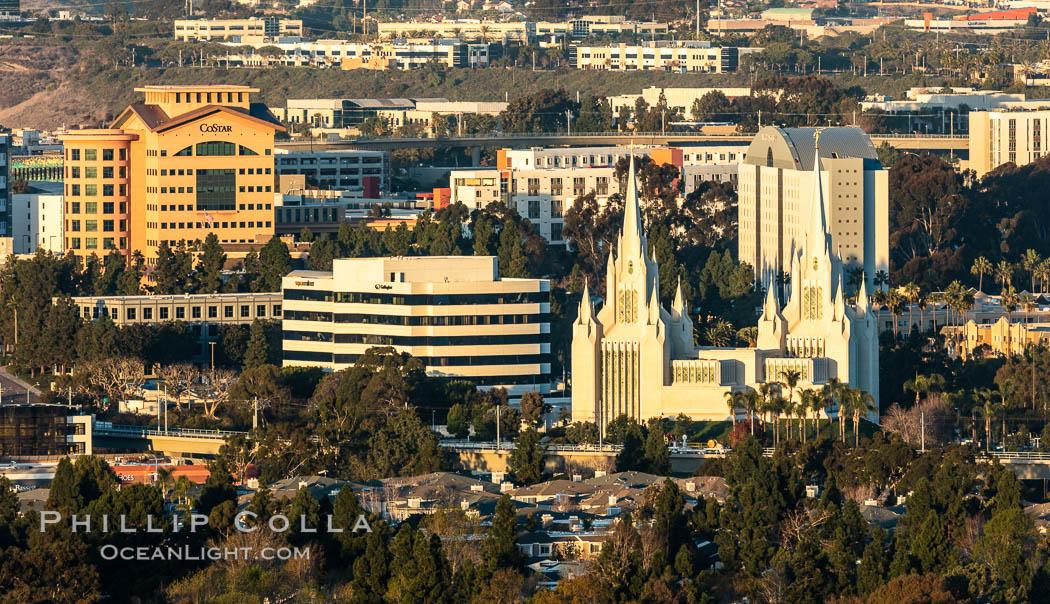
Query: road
{"points": [[14, 390]]}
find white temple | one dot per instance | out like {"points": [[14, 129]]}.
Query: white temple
{"points": [[637, 359]]}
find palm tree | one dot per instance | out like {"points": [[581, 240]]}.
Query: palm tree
{"points": [[769, 392], [881, 278], [809, 401], [1031, 261], [1043, 272], [734, 400], [1009, 301], [832, 395], [981, 267], [752, 403], [911, 293], [988, 409], [1004, 273], [860, 403], [893, 301], [924, 385], [164, 479]]}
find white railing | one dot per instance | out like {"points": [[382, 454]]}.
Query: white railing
{"points": [[124, 430]]}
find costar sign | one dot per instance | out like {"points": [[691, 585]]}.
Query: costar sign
{"points": [[216, 128]]}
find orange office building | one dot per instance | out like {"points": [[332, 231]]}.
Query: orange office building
{"points": [[188, 161]]}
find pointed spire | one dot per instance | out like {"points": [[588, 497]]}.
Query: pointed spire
{"points": [[610, 276], [771, 306], [585, 306], [862, 295], [817, 233], [632, 239], [654, 307], [678, 310]]}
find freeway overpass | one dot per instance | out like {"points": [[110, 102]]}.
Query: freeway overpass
{"points": [[904, 142], [178, 442], [486, 456]]}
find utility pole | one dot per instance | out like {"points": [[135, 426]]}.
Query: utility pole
{"points": [[255, 413], [568, 121], [922, 424], [697, 19], [663, 122], [497, 428]]}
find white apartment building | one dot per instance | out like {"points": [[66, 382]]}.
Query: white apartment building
{"points": [[425, 110], [453, 313], [236, 30], [684, 57], [775, 191], [681, 99], [1000, 137], [353, 55], [540, 194], [37, 220], [339, 169], [462, 29], [566, 157]]}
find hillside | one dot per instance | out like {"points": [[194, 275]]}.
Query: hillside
{"points": [[49, 86]]}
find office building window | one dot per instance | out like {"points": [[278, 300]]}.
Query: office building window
{"points": [[91, 226], [180, 312], [216, 189], [147, 314], [90, 154], [130, 314], [90, 172], [108, 243], [90, 190], [74, 154], [195, 312], [107, 172], [227, 311], [107, 155], [260, 310], [163, 310], [213, 312], [213, 148], [91, 207]]}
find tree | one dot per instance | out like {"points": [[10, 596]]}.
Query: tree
{"points": [[981, 266], [528, 458], [657, 456], [257, 351], [511, 255], [210, 265], [274, 263], [1004, 273], [499, 549], [913, 589], [178, 379], [458, 422], [116, 377], [533, 408], [214, 389]]}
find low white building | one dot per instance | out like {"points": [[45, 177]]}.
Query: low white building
{"points": [[37, 219]]}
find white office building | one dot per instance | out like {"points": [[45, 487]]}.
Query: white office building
{"points": [[775, 190], [454, 313]]}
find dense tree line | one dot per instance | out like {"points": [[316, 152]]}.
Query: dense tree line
{"points": [[942, 222]]}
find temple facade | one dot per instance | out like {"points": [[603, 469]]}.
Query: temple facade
{"points": [[634, 357]]}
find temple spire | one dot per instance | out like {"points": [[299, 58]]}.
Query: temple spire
{"points": [[678, 310], [632, 239], [586, 309], [817, 233]]}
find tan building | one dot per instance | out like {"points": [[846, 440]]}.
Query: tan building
{"points": [[236, 30], [454, 313], [472, 30], [999, 338], [681, 99], [1000, 137], [634, 357], [189, 161], [776, 189]]}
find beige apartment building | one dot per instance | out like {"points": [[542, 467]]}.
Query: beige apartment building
{"points": [[454, 313], [1001, 137], [775, 190]]}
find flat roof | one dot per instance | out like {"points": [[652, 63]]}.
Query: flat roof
{"points": [[185, 87]]}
